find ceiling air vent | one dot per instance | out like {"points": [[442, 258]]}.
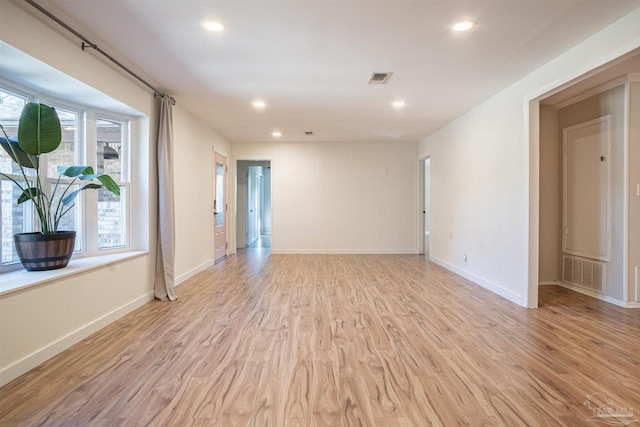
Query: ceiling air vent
{"points": [[308, 132], [379, 78]]}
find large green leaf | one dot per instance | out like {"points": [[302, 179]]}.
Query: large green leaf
{"points": [[69, 198], [109, 184], [85, 173], [39, 129], [75, 171], [28, 194], [20, 157]]}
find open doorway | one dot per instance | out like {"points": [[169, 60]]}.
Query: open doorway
{"points": [[424, 238], [588, 204], [253, 225], [220, 206]]}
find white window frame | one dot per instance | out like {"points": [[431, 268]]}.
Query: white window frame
{"points": [[80, 156], [125, 180], [86, 155], [30, 221]]}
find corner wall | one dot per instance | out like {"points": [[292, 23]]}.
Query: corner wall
{"points": [[194, 145], [480, 170], [38, 322]]}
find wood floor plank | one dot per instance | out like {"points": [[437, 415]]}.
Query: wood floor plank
{"points": [[338, 340]]}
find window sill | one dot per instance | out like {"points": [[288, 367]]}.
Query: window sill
{"points": [[20, 280]]}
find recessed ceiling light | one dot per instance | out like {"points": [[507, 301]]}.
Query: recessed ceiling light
{"points": [[214, 26], [462, 26], [259, 104], [399, 104], [276, 133]]}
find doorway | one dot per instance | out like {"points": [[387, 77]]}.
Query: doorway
{"points": [[582, 234], [220, 207], [253, 225], [424, 246]]}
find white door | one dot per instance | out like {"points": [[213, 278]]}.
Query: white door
{"points": [[252, 203], [220, 206], [586, 206]]}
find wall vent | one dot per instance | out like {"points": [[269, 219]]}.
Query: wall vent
{"points": [[584, 272], [379, 78]]}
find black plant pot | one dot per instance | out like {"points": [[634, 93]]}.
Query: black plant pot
{"points": [[38, 252]]}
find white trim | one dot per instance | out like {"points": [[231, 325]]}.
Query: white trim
{"points": [[493, 287], [411, 251], [189, 274], [16, 281], [596, 90], [421, 206], [626, 199], [531, 169], [34, 359], [599, 296], [550, 283]]}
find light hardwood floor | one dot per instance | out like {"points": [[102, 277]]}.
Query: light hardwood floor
{"points": [[338, 340]]}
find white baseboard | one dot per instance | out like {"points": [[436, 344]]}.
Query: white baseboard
{"points": [[29, 362], [343, 251], [496, 289], [601, 297], [189, 274], [550, 283]]}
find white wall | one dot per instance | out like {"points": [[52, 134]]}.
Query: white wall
{"points": [[39, 322], [194, 145], [340, 197], [480, 171]]}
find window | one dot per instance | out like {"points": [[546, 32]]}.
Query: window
{"points": [[13, 218], [89, 137], [112, 137], [68, 153]]}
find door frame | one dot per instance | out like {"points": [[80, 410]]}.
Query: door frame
{"points": [[240, 216], [421, 250], [225, 202]]}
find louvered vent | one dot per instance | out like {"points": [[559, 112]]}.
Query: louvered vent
{"points": [[379, 78], [584, 272]]}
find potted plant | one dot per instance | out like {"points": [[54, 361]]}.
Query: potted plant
{"points": [[39, 132]]}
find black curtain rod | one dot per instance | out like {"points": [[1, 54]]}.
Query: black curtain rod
{"points": [[86, 43]]}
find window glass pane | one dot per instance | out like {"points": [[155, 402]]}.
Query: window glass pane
{"points": [[112, 218], [13, 219], [71, 220], [65, 155], [111, 137], [10, 109], [219, 195]]}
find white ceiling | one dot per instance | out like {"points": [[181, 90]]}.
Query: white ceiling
{"points": [[310, 60]]}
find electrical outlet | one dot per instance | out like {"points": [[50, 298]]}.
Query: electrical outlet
{"points": [[465, 259], [451, 234]]}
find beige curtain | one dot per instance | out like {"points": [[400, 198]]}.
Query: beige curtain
{"points": [[164, 283]]}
